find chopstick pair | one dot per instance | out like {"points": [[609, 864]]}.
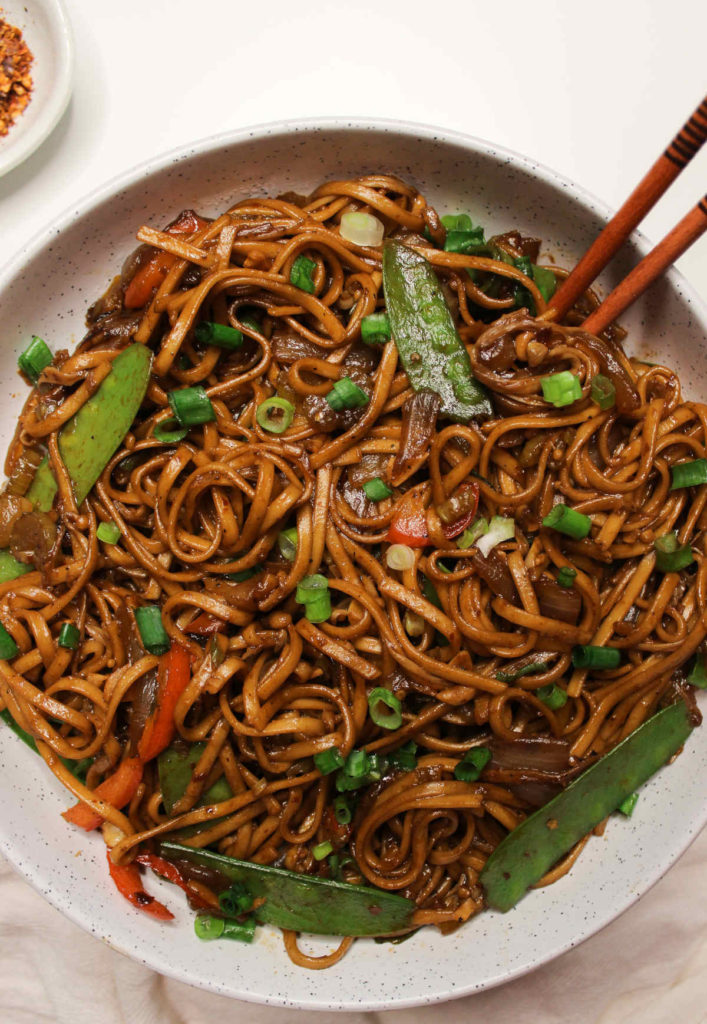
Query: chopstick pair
{"points": [[662, 174]]}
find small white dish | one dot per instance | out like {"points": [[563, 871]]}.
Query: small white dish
{"points": [[45, 27], [70, 264]]}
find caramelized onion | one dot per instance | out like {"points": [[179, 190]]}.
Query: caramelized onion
{"points": [[32, 537], [556, 602], [493, 570], [418, 426]]}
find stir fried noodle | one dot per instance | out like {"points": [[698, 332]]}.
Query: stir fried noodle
{"points": [[441, 586]]}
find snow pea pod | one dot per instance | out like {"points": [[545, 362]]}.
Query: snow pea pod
{"points": [[531, 849], [175, 768], [91, 437], [429, 346], [307, 904]]}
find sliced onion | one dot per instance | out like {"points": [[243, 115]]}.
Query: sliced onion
{"points": [[500, 528], [361, 229], [400, 556]]}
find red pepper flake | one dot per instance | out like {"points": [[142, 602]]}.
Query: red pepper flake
{"points": [[15, 78]]}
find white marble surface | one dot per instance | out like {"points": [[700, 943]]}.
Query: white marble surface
{"points": [[594, 93]]}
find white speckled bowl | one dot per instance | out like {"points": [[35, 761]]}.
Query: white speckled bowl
{"points": [[67, 267]]}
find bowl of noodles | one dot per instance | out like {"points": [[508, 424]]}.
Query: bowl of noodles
{"points": [[345, 596]]}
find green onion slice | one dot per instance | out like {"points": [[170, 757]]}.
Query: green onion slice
{"points": [[35, 358], [109, 533], [470, 767], [688, 474], [670, 555], [346, 395], [275, 414], [302, 274], [342, 809], [500, 528], [603, 392], [318, 608], [561, 388], [191, 406], [527, 670], [328, 761], [322, 850], [567, 520], [221, 335], [69, 636], [381, 699], [152, 633], [404, 758], [587, 656], [236, 900], [309, 586], [472, 533], [375, 329], [552, 696], [566, 576], [376, 489], [169, 431], [628, 805], [357, 764]]}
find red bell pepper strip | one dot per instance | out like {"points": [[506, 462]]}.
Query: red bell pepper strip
{"points": [[129, 883], [152, 273], [452, 530], [409, 524], [174, 676], [204, 625], [172, 874], [118, 790]]}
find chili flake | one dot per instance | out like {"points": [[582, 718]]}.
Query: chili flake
{"points": [[15, 78]]}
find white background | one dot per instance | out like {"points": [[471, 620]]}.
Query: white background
{"points": [[595, 91]]}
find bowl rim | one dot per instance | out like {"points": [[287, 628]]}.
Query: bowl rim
{"points": [[288, 127]]}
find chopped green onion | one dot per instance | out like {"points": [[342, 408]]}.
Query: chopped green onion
{"points": [[109, 533], [376, 766], [566, 576], [275, 414], [379, 699], [361, 228], [688, 474], [35, 358], [8, 647], [322, 850], [342, 810], [561, 388], [376, 489], [357, 764], [399, 557], [698, 674], [220, 335], [500, 528], [347, 395], [470, 767], [457, 222], [587, 656], [552, 696], [169, 432], [208, 927], [628, 805], [244, 574], [287, 543], [302, 274], [236, 900], [472, 533], [545, 280], [69, 636], [567, 520], [152, 633], [526, 670], [375, 329], [318, 608], [308, 586], [191, 406], [328, 761], [670, 555], [404, 757], [603, 392]]}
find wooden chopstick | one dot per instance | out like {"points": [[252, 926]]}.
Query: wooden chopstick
{"points": [[651, 266], [664, 171]]}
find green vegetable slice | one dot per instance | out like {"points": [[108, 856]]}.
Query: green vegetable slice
{"points": [[430, 348], [307, 904], [531, 849], [175, 768], [91, 437]]}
